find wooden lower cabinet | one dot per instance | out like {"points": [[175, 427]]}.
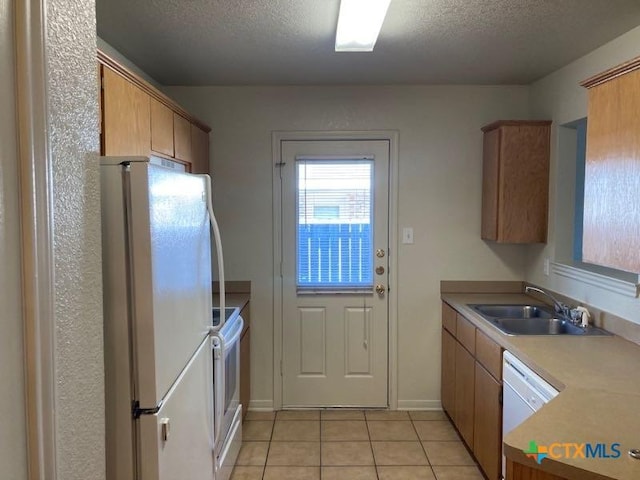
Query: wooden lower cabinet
{"points": [[245, 362], [471, 389], [517, 471], [448, 379], [464, 393], [487, 426]]}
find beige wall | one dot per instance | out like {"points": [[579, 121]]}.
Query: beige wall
{"points": [[72, 87], [13, 462], [440, 154], [559, 97]]}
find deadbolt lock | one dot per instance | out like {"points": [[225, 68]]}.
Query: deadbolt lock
{"points": [[380, 270], [380, 253]]}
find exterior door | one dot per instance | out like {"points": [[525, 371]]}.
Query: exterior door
{"points": [[335, 236]]}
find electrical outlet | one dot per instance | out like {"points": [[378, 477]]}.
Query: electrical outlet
{"points": [[546, 267], [407, 235]]}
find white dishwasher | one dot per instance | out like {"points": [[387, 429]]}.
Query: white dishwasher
{"points": [[524, 393]]}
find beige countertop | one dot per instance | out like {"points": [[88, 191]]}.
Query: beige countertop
{"points": [[600, 391]]}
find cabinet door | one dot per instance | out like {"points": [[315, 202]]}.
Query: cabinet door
{"points": [[515, 181], [161, 128], [199, 150], [182, 138], [523, 198], [491, 157], [487, 430], [448, 380], [611, 194], [464, 396], [127, 116], [517, 471]]}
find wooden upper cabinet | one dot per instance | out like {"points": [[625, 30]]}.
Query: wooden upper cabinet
{"points": [[515, 181], [161, 128], [199, 150], [611, 234], [138, 119], [126, 116], [182, 138]]}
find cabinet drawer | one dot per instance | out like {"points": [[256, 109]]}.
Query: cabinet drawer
{"points": [[489, 354], [466, 333], [449, 318]]}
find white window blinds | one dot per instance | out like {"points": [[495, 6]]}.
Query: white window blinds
{"points": [[334, 223]]}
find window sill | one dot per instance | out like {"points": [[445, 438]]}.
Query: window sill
{"points": [[622, 283]]}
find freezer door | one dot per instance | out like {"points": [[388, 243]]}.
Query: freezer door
{"points": [[170, 258], [177, 442]]}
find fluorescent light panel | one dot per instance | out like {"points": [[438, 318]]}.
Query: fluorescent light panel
{"points": [[359, 24]]}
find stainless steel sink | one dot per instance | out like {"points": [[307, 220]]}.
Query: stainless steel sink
{"points": [[531, 320], [513, 311], [537, 326]]}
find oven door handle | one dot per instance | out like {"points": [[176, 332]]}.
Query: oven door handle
{"points": [[218, 388]]}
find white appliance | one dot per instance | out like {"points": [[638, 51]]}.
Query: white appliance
{"points": [[158, 326], [524, 393], [228, 411]]}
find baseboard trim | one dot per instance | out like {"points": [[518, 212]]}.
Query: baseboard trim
{"points": [[260, 406], [419, 405], [267, 405]]}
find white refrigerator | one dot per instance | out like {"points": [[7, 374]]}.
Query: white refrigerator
{"points": [[157, 304]]}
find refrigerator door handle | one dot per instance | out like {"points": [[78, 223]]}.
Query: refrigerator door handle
{"points": [[235, 334], [218, 241], [137, 411]]}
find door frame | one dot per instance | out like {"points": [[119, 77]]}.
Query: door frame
{"points": [[277, 137], [37, 255]]}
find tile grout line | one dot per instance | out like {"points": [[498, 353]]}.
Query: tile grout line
{"points": [[433, 472], [375, 462], [273, 427], [320, 435]]}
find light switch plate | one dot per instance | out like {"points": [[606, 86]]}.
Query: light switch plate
{"points": [[546, 267], [407, 235]]}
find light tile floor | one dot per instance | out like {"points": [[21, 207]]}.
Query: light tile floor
{"points": [[352, 445]]}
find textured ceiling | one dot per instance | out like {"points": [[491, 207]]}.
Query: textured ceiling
{"points": [[286, 42]]}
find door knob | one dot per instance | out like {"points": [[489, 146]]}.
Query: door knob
{"points": [[380, 289]]}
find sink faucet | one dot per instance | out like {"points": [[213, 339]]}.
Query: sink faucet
{"points": [[559, 307]]}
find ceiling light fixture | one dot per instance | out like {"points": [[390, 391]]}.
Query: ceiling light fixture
{"points": [[359, 24]]}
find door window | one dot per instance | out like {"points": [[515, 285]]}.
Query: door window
{"points": [[334, 224]]}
